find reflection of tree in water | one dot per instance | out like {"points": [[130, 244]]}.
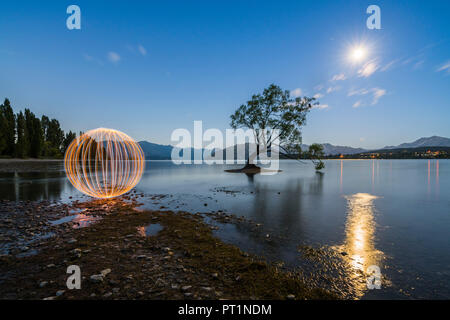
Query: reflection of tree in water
{"points": [[316, 184], [286, 202], [7, 190], [280, 212], [33, 185], [250, 178]]}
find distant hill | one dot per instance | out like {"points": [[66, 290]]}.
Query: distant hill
{"points": [[155, 151], [401, 153], [434, 141], [331, 149]]}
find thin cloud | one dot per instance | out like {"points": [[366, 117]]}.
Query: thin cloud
{"points": [[368, 69], [359, 92], [418, 64], [90, 58], [296, 92], [339, 77], [113, 57], [388, 66], [332, 89], [408, 61], [318, 96], [377, 94], [416, 61], [319, 87], [445, 67], [321, 106], [142, 50], [357, 104]]}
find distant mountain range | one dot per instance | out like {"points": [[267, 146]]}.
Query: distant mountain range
{"points": [[331, 149], [434, 141], [155, 151]]}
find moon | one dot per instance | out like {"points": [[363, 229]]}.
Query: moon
{"points": [[358, 54]]}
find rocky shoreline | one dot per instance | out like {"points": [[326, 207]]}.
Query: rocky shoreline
{"points": [[127, 253]]}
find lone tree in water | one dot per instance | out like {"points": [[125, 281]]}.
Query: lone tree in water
{"points": [[274, 109], [315, 152]]}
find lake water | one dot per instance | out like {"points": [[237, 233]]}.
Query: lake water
{"points": [[393, 214]]}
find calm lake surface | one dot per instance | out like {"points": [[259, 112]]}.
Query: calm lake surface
{"points": [[394, 214]]}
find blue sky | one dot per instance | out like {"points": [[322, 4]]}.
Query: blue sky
{"points": [[149, 68]]}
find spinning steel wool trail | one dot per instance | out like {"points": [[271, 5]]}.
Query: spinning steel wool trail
{"points": [[104, 163]]}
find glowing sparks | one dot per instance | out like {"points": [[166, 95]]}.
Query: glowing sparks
{"points": [[104, 163]]}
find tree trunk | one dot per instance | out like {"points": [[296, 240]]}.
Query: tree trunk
{"points": [[250, 161]]}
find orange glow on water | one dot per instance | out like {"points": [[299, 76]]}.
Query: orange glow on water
{"points": [[373, 172], [359, 242], [437, 177], [429, 164], [104, 163], [360, 230], [437, 171]]}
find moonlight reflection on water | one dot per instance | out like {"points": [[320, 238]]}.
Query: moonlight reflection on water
{"points": [[360, 230]]}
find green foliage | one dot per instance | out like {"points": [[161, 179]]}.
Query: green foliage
{"points": [[53, 134], [274, 109], [24, 135], [319, 165], [36, 138], [315, 153], [67, 140], [3, 126], [7, 129], [22, 144]]}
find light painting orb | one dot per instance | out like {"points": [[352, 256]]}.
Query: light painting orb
{"points": [[104, 163]]}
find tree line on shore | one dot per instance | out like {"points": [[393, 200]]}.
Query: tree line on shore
{"points": [[23, 135]]}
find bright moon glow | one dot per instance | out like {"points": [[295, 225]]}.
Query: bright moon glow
{"points": [[358, 54], [104, 163]]}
